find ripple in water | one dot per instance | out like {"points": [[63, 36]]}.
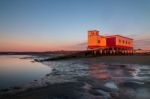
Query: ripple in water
{"points": [[131, 79]]}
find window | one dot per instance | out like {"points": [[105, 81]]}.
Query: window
{"points": [[119, 41]]}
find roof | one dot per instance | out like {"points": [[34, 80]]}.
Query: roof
{"points": [[93, 30], [119, 36], [102, 36]]}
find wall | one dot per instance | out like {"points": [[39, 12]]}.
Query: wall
{"points": [[102, 40], [94, 40], [111, 41], [124, 42]]}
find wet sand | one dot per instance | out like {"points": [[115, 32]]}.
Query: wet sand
{"points": [[105, 77], [133, 59]]}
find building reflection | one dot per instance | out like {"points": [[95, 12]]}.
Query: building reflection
{"points": [[115, 72]]}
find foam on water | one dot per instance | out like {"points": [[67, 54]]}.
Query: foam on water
{"points": [[142, 72]]}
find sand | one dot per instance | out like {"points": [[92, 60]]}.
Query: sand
{"points": [[135, 59]]}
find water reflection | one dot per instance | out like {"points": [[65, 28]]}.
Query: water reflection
{"points": [[132, 80], [99, 71], [117, 71], [15, 71]]}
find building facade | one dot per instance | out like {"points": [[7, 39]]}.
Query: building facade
{"points": [[95, 40], [119, 41], [109, 44]]}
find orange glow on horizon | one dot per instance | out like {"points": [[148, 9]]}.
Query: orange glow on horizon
{"points": [[20, 46]]}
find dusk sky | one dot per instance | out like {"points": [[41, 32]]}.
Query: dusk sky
{"points": [[42, 25]]}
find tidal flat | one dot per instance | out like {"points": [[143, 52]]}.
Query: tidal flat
{"points": [[104, 77]]}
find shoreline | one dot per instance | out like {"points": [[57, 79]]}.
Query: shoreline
{"points": [[122, 59], [133, 59], [85, 84]]}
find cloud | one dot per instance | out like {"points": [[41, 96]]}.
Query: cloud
{"points": [[78, 46], [82, 44], [142, 43]]}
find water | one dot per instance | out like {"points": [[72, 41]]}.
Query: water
{"points": [[123, 80], [15, 71], [131, 80], [95, 79]]}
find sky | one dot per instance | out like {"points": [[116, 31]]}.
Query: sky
{"points": [[43, 25]]}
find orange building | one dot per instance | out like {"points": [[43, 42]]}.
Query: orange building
{"points": [[95, 40], [115, 41]]}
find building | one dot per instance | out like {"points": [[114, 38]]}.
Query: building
{"points": [[109, 44], [95, 40], [119, 41]]}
